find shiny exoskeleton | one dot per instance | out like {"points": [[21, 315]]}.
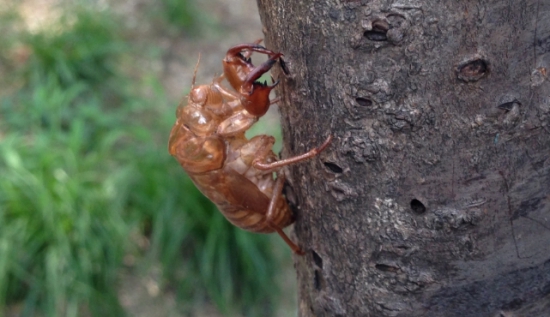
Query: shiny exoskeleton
{"points": [[208, 139]]}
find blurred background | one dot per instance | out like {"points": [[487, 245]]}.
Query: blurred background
{"points": [[96, 218]]}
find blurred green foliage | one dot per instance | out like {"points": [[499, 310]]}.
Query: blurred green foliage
{"points": [[176, 17], [179, 14], [84, 166], [82, 47], [62, 235]]}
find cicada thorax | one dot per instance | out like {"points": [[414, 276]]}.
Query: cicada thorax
{"points": [[193, 139], [196, 152]]}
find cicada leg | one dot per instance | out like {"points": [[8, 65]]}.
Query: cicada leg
{"points": [[277, 191], [248, 53], [291, 160]]}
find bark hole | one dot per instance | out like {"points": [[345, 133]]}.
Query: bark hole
{"points": [[386, 268], [513, 305], [334, 168], [317, 259], [378, 32], [509, 105], [364, 102], [472, 70], [417, 206], [283, 66], [318, 280]]}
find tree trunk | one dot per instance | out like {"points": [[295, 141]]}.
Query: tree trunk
{"points": [[434, 197]]}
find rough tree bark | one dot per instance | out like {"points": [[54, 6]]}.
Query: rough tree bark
{"points": [[434, 198]]}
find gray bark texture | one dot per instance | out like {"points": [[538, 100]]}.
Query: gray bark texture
{"points": [[434, 197]]}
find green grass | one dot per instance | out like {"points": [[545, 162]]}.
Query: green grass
{"points": [[62, 230], [84, 166], [87, 53]]}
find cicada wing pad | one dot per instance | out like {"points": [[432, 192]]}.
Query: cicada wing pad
{"points": [[250, 205], [244, 193], [236, 124]]}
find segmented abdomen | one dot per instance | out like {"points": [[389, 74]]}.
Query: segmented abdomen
{"points": [[241, 202]]}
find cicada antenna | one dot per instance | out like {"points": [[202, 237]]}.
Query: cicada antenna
{"points": [[195, 72]]}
